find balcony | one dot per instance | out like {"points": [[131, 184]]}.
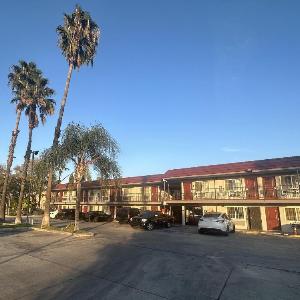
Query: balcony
{"points": [[280, 195], [98, 200], [284, 192], [131, 197], [63, 200], [217, 193]]}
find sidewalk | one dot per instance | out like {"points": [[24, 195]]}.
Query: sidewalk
{"points": [[190, 229], [269, 233]]}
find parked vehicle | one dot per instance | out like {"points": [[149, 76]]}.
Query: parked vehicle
{"points": [[37, 211], [124, 214], [97, 216], [63, 214], [68, 214], [151, 219], [195, 214], [216, 222]]}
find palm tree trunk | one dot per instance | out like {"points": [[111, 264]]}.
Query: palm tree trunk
{"points": [[10, 159], [46, 217], [77, 208], [18, 219], [40, 196]]}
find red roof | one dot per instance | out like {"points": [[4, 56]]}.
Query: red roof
{"points": [[123, 181], [229, 168], [142, 179]]}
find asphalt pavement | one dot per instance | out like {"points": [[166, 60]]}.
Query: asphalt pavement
{"points": [[124, 263]]}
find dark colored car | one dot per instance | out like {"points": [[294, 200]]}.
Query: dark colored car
{"points": [[97, 216], [68, 214], [151, 219], [37, 211], [124, 214], [194, 216]]}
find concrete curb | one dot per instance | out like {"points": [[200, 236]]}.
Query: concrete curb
{"points": [[88, 234], [266, 233]]}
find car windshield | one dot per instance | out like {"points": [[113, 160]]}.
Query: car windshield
{"points": [[212, 216], [146, 214]]}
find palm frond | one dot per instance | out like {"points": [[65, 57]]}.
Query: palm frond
{"points": [[78, 38], [31, 92]]}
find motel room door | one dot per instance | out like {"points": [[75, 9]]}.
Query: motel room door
{"points": [[251, 187], [269, 184], [273, 218], [254, 218]]}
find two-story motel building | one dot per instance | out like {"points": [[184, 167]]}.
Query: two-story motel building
{"points": [[257, 195]]}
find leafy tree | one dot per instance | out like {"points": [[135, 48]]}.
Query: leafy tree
{"points": [[13, 187], [19, 80], [38, 180], [71, 178], [89, 147], [78, 40], [39, 104]]}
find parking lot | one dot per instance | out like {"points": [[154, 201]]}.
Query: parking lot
{"points": [[125, 263]]}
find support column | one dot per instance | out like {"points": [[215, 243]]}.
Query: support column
{"points": [[115, 212], [183, 215], [263, 218]]}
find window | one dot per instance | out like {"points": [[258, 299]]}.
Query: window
{"points": [[147, 214], [235, 212], [292, 214], [290, 180], [104, 192], [232, 184], [200, 186], [225, 217], [211, 215]]}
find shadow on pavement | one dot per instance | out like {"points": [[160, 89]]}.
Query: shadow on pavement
{"points": [[123, 263], [13, 231], [138, 267]]}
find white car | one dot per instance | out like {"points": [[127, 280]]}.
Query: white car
{"points": [[53, 214], [216, 221]]}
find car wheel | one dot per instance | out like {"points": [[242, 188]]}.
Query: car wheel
{"points": [[150, 226], [233, 229], [200, 231]]}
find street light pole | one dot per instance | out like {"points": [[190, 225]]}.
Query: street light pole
{"points": [[31, 175]]}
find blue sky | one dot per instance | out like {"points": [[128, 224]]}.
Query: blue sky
{"points": [[177, 83]]}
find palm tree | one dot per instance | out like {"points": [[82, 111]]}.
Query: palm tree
{"points": [[38, 101], [19, 80], [87, 147], [78, 40]]}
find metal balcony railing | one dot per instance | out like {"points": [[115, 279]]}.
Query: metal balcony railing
{"points": [[132, 197], [278, 192], [287, 192], [98, 199], [217, 193], [63, 200]]}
